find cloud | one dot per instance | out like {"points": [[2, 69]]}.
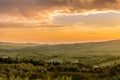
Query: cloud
{"points": [[41, 9], [101, 19], [88, 20], [28, 8]]}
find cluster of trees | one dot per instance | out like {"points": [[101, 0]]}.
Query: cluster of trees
{"points": [[29, 69], [22, 71]]}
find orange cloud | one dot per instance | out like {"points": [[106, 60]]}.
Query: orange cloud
{"points": [[41, 9]]}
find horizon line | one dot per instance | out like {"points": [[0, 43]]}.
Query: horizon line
{"points": [[58, 43]]}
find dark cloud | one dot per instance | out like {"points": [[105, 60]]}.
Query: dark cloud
{"points": [[31, 8]]}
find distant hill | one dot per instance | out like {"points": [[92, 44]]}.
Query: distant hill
{"points": [[107, 47], [71, 52]]}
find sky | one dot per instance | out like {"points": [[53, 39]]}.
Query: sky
{"points": [[59, 21]]}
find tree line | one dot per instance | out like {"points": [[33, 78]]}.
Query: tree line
{"points": [[31, 69]]}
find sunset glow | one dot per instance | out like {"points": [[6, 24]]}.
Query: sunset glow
{"points": [[59, 21]]}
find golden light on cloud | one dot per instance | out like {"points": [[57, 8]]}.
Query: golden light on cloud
{"points": [[59, 21]]}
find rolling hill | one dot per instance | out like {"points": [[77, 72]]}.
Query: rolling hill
{"points": [[90, 52]]}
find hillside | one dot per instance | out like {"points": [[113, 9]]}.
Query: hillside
{"points": [[94, 52]]}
